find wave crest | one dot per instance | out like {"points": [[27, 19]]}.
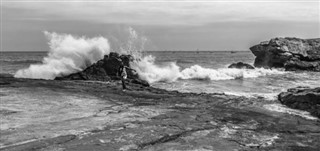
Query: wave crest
{"points": [[201, 73], [149, 71], [67, 54]]}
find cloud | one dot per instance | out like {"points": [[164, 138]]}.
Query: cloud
{"points": [[165, 13]]}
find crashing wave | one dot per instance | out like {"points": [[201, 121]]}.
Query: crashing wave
{"points": [[68, 54], [149, 71]]}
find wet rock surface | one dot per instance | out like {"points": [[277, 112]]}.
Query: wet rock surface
{"points": [[147, 118], [107, 69], [302, 98], [241, 65], [290, 53]]}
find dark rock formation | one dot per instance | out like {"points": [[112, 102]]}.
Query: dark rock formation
{"points": [[302, 98], [291, 53], [241, 65], [107, 69]]}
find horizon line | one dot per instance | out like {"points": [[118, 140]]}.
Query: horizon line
{"points": [[145, 51], [165, 1]]}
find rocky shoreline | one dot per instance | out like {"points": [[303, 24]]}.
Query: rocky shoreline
{"points": [[147, 118], [101, 116]]}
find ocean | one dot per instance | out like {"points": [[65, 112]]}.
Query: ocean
{"points": [[195, 71]]}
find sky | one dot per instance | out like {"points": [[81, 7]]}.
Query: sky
{"points": [[167, 25]]}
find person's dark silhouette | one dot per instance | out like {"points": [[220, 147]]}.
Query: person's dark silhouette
{"points": [[123, 75]]}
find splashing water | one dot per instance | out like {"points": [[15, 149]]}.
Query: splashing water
{"points": [[134, 45], [200, 73], [68, 54], [149, 71]]}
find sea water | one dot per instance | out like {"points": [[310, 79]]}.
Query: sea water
{"points": [[195, 71], [208, 72]]}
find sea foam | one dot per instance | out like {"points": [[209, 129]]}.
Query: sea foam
{"points": [[149, 71], [68, 54], [285, 109]]}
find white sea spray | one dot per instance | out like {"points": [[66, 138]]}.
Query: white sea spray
{"points": [[68, 54], [149, 71]]}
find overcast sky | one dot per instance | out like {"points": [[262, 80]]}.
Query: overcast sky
{"points": [[167, 25]]}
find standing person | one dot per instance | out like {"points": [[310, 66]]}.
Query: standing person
{"points": [[123, 74]]}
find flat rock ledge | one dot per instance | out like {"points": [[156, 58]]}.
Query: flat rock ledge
{"points": [[302, 98], [151, 119], [293, 54]]}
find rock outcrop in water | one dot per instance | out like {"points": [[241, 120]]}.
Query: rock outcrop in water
{"points": [[241, 65], [289, 53], [107, 69], [302, 98]]}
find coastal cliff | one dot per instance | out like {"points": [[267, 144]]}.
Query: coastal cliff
{"points": [[289, 53]]}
